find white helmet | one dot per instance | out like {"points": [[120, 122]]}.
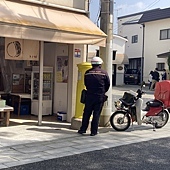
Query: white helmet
{"points": [[96, 60]]}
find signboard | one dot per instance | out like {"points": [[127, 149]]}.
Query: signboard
{"points": [[77, 53], [13, 49], [18, 49], [30, 50]]}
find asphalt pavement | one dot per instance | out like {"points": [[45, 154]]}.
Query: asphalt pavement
{"points": [[54, 145], [149, 155]]}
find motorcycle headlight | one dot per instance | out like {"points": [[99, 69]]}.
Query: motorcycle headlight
{"points": [[118, 104]]}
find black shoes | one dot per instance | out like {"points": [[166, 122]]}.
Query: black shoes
{"points": [[93, 134], [81, 132]]}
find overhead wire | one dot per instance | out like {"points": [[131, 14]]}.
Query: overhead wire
{"points": [[98, 14]]}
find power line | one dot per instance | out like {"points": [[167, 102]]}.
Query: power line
{"points": [[153, 3], [98, 14]]}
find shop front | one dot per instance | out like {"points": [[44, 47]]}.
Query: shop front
{"points": [[40, 49]]}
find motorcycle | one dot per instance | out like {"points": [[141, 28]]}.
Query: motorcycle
{"points": [[129, 110]]}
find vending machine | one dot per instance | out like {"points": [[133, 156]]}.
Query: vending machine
{"points": [[47, 90]]}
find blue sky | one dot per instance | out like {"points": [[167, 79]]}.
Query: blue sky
{"points": [[125, 7]]}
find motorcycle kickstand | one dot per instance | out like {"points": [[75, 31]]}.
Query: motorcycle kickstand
{"points": [[153, 123], [132, 126], [154, 129]]}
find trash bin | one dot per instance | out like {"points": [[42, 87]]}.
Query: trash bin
{"points": [[62, 116], [25, 107]]}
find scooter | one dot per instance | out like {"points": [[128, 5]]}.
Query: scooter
{"points": [[129, 110]]}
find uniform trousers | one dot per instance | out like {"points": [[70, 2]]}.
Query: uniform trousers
{"points": [[93, 106]]}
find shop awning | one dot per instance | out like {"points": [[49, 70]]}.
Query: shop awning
{"points": [[163, 55], [39, 23], [121, 59]]}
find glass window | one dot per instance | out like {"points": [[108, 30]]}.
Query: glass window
{"points": [[163, 34], [160, 66], [168, 33], [134, 38]]}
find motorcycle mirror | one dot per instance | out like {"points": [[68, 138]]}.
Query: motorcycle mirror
{"points": [[142, 84]]}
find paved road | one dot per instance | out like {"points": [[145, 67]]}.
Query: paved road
{"points": [[150, 155], [25, 143]]}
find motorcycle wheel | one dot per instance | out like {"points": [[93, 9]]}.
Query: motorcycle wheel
{"points": [[120, 120], [164, 116]]}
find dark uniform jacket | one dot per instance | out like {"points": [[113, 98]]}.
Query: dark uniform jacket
{"points": [[155, 76], [97, 82]]}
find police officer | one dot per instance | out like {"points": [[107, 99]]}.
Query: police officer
{"points": [[97, 83]]}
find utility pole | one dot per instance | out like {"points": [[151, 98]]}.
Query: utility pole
{"points": [[106, 25]]}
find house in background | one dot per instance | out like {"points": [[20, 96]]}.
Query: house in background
{"points": [[119, 58], [148, 35]]}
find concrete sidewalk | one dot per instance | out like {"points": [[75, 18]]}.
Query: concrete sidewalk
{"points": [[30, 143], [24, 142]]}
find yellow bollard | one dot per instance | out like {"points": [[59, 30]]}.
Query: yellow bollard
{"points": [[82, 68]]}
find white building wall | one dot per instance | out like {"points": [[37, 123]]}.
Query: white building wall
{"points": [[119, 47], [132, 50], [154, 46], [119, 44]]}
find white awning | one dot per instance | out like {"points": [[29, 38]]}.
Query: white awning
{"points": [[121, 59], [39, 23]]}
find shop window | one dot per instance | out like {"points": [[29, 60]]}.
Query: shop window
{"points": [[160, 66]]}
